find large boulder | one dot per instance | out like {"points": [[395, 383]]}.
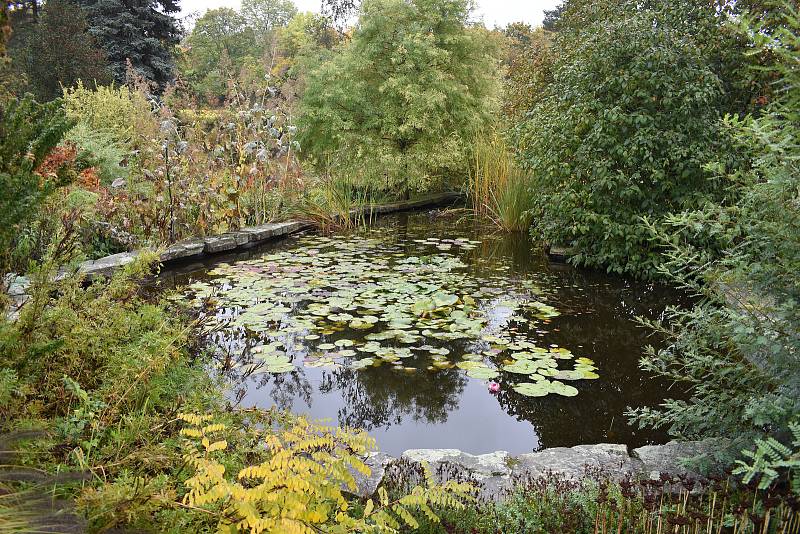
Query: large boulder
{"points": [[604, 460], [669, 459]]}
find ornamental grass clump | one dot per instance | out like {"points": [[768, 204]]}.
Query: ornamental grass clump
{"points": [[498, 188]]}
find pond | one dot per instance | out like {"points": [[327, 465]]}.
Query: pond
{"points": [[430, 330]]}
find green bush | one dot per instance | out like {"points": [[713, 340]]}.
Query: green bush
{"points": [[97, 149], [28, 134], [401, 101], [625, 132], [736, 351], [102, 338], [120, 114]]}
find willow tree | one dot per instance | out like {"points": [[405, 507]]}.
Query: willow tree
{"points": [[402, 100]]}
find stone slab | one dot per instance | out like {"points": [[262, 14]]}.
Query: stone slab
{"points": [[220, 243], [667, 459], [608, 460], [480, 465], [559, 253], [490, 472], [183, 249], [105, 267], [267, 231]]}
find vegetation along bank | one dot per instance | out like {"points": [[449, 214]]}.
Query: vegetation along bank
{"points": [[667, 157]]}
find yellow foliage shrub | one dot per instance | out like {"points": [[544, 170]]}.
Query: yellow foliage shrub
{"points": [[125, 115], [298, 487]]}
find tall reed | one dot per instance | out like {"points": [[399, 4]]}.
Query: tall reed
{"points": [[339, 203], [499, 189], [511, 203], [491, 165]]}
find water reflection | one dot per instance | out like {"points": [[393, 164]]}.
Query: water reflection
{"points": [[445, 408]]}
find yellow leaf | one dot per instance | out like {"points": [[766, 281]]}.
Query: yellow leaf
{"points": [[369, 507], [217, 446]]}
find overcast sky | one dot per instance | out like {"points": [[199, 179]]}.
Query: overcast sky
{"points": [[493, 12]]}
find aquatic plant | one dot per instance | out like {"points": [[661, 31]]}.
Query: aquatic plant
{"points": [[340, 203], [491, 165], [498, 188], [291, 307], [512, 202]]}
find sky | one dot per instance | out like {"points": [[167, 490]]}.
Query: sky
{"points": [[492, 12]]}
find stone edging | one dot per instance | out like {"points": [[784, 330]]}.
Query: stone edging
{"points": [[250, 236], [497, 472], [246, 237]]}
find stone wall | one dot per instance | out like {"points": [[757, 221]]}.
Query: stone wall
{"points": [[496, 473]]}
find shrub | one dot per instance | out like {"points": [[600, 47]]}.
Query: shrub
{"points": [[103, 339], [120, 114], [736, 351], [96, 149], [29, 132], [297, 487], [625, 132]]}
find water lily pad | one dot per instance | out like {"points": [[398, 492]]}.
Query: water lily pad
{"points": [[532, 389], [483, 373], [524, 367], [362, 364], [560, 388]]}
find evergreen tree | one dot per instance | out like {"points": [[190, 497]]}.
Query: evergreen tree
{"points": [[139, 31], [55, 50]]}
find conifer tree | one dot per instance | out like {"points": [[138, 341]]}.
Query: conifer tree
{"points": [[140, 31]]}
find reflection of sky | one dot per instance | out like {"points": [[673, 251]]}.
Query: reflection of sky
{"points": [[478, 424]]}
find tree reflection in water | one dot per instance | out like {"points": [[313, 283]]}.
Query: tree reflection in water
{"points": [[597, 320], [377, 398]]}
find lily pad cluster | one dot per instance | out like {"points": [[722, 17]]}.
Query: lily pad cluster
{"points": [[397, 302]]}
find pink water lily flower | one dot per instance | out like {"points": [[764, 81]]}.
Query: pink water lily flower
{"points": [[494, 387]]}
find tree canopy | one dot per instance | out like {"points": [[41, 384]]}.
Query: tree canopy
{"points": [[56, 50], [402, 100]]}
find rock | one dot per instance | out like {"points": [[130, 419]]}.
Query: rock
{"points": [[559, 253], [574, 463], [491, 472], [482, 465], [15, 307], [367, 486], [183, 249], [657, 459], [220, 243], [17, 285], [105, 267]]}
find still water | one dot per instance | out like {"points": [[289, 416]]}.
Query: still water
{"points": [[403, 328]]}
